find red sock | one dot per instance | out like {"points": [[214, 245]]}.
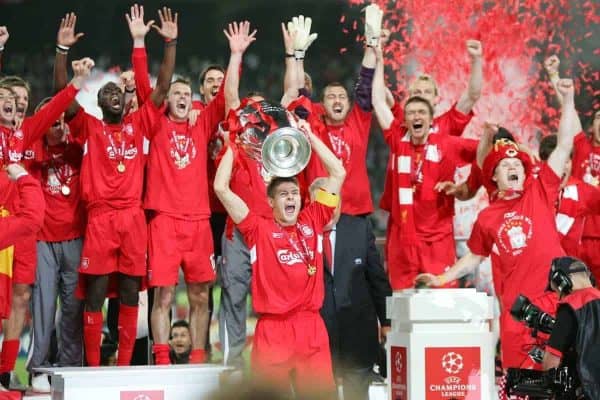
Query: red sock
{"points": [[10, 351], [92, 336], [128, 316], [197, 356], [161, 354]]}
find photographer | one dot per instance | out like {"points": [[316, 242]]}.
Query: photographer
{"points": [[577, 325]]}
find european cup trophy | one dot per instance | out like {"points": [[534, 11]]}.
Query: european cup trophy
{"points": [[267, 133]]}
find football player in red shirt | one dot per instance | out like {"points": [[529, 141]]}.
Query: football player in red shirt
{"points": [[111, 182], [421, 236], [586, 167], [287, 273], [519, 228], [13, 144]]}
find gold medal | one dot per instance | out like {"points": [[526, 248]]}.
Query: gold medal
{"points": [[311, 270], [65, 190], [121, 167]]}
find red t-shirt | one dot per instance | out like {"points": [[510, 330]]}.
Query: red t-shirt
{"points": [[176, 177], [106, 146], [427, 164], [586, 166], [452, 123], [349, 143], [13, 143], [280, 258], [522, 232], [54, 167], [578, 201]]}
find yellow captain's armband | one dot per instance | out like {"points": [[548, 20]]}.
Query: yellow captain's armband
{"points": [[327, 199], [7, 254]]}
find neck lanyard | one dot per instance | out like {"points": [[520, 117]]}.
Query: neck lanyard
{"points": [[311, 267]]}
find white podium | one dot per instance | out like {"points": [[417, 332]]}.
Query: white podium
{"points": [[172, 382], [440, 346]]}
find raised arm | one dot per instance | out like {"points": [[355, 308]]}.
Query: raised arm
{"points": [[473, 93], [551, 65], [333, 165], [65, 39], [569, 126], [3, 39], [239, 37], [140, 84], [168, 30], [291, 83], [235, 206], [380, 105]]}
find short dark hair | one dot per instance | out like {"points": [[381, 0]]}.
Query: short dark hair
{"points": [[419, 99], [13, 80], [182, 80], [333, 84], [547, 146], [211, 67], [278, 180], [180, 324]]}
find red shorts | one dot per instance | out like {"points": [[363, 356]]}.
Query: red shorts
{"points": [[177, 242], [296, 342], [407, 260], [115, 241], [590, 255], [25, 261], [515, 336]]}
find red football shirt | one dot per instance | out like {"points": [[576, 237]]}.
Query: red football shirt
{"points": [[452, 123], [349, 143], [176, 179], [578, 201], [522, 232], [106, 148], [428, 164], [586, 166], [280, 258], [55, 167]]}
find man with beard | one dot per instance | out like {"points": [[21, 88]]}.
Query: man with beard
{"points": [[111, 188]]}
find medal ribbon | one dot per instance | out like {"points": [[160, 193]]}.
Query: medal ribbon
{"points": [[118, 156], [304, 255], [182, 151]]}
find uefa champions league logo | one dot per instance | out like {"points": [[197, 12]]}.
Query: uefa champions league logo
{"points": [[452, 363]]}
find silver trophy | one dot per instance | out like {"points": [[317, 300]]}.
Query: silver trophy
{"points": [[267, 134]]}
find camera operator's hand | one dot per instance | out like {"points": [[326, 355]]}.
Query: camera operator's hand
{"points": [[428, 280]]}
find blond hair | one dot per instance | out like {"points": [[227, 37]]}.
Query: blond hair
{"points": [[424, 78]]}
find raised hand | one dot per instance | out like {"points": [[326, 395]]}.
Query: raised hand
{"points": [[168, 24], [127, 80], [566, 89], [3, 35], [373, 19], [66, 35], [289, 35], [135, 20], [81, 70], [302, 36], [239, 36], [551, 65], [474, 48]]}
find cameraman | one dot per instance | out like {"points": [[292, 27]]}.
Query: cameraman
{"points": [[577, 325]]}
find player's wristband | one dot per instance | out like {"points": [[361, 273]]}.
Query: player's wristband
{"points": [[2, 48], [62, 47], [129, 90], [170, 41], [288, 55]]}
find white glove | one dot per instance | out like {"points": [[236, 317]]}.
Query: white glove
{"points": [[373, 18], [303, 38]]}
